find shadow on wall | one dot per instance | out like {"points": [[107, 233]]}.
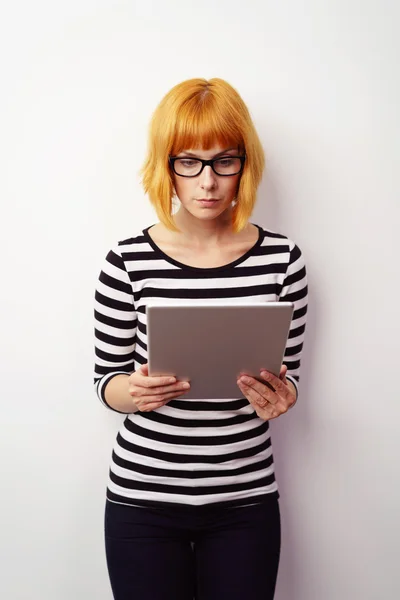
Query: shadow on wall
{"points": [[297, 425]]}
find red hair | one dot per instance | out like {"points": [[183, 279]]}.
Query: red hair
{"points": [[200, 114]]}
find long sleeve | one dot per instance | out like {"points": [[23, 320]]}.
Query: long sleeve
{"points": [[115, 323], [294, 289]]}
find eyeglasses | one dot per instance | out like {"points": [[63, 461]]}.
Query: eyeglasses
{"points": [[225, 166]]}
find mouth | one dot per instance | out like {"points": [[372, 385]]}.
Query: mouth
{"points": [[207, 201]]}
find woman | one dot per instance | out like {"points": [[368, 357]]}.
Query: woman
{"points": [[192, 505]]}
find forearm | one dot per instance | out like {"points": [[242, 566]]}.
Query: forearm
{"points": [[295, 290], [117, 395]]}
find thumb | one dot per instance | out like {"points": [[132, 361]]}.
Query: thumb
{"points": [[144, 369], [282, 374]]}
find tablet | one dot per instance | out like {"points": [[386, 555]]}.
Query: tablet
{"points": [[211, 344]]}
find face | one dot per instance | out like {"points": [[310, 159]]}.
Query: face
{"points": [[208, 195]]}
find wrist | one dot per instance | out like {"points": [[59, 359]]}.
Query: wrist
{"points": [[293, 389]]}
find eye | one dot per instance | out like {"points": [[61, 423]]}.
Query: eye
{"points": [[225, 162], [188, 162]]}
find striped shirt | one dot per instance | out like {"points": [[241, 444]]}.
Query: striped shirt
{"points": [[191, 452]]}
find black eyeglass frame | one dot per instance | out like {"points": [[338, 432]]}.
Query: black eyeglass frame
{"points": [[205, 163]]}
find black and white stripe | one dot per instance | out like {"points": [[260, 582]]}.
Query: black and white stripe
{"points": [[191, 452]]}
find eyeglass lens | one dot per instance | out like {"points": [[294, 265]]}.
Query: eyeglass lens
{"points": [[192, 166]]}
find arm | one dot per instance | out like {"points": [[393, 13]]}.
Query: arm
{"points": [[115, 332], [278, 394], [294, 289], [117, 397]]}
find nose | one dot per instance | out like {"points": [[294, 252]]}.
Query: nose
{"points": [[207, 178]]}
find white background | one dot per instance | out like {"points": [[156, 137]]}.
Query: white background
{"points": [[79, 81]]}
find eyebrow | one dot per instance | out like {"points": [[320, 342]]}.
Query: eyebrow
{"points": [[219, 153]]}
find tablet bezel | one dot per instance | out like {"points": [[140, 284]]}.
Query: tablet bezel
{"points": [[258, 340]]}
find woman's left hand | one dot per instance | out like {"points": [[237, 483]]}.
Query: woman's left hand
{"points": [[268, 403]]}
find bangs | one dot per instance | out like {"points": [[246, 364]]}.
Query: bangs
{"points": [[203, 123]]}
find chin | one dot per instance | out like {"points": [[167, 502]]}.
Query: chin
{"points": [[212, 211]]}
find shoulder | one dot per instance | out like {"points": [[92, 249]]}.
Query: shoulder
{"points": [[275, 238], [136, 243], [125, 249], [285, 249], [138, 238]]}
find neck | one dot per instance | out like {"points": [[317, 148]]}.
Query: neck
{"points": [[201, 232]]}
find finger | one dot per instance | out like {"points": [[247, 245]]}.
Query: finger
{"points": [[265, 410], [262, 389], [160, 397], [280, 387], [243, 375], [180, 387], [157, 380], [151, 406], [283, 371], [152, 382], [154, 402], [144, 369]]}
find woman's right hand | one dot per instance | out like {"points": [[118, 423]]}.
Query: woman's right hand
{"points": [[149, 393]]}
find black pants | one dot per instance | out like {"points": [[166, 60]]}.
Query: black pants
{"points": [[211, 554]]}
